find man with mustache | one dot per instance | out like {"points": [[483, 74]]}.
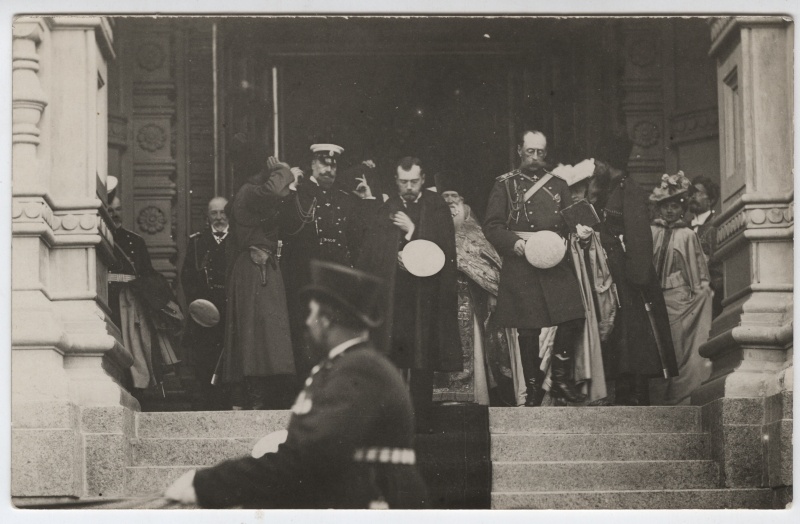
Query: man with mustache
{"points": [[203, 277], [422, 332], [491, 371], [319, 221], [524, 201], [133, 286]]}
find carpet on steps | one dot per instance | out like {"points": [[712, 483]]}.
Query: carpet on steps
{"points": [[455, 459]]}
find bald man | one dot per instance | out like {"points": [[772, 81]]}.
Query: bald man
{"points": [[203, 277]]}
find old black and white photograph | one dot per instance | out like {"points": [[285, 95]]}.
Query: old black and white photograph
{"points": [[400, 260]]}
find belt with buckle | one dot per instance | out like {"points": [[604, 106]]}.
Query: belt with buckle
{"points": [[380, 455]]}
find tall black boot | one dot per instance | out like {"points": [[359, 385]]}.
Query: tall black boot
{"points": [[562, 362], [563, 385], [531, 369]]}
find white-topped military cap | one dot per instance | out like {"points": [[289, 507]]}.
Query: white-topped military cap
{"points": [[327, 149], [327, 153]]}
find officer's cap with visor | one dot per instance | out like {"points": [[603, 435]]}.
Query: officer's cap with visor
{"points": [[327, 153]]}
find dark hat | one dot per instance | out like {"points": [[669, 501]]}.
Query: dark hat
{"points": [[357, 292], [614, 150], [448, 181], [248, 157], [327, 153]]}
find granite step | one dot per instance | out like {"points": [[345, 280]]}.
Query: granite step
{"points": [[148, 481], [604, 475], [525, 447], [188, 451], [210, 424], [640, 499], [613, 419]]}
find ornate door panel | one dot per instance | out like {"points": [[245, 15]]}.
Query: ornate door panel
{"points": [[151, 163]]}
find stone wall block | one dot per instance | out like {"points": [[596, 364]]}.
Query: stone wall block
{"points": [[44, 463]]}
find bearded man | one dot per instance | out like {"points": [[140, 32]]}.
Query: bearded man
{"points": [[350, 439], [203, 278], [421, 332], [492, 371]]}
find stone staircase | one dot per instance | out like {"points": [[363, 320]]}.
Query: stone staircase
{"points": [[545, 458], [168, 444], [608, 458]]}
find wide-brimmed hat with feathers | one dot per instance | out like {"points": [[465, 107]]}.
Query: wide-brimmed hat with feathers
{"points": [[671, 187]]}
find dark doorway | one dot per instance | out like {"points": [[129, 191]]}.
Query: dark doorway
{"points": [[450, 111]]}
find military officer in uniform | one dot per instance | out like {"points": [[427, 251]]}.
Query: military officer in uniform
{"points": [[203, 278], [524, 201], [351, 434], [319, 221], [142, 306]]}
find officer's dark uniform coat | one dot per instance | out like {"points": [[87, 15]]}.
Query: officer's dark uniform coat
{"points": [[355, 400], [203, 276], [137, 264], [321, 224], [530, 297]]}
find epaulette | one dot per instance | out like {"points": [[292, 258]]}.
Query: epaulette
{"points": [[554, 175], [193, 235], [508, 175]]}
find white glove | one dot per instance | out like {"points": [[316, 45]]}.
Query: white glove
{"points": [[182, 490], [298, 174], [583, 232]]}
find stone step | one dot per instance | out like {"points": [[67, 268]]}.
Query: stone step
{"points": [[602, 476], [640, 499], [614, 419], [525, 447], [188, 451], [210, 424], [147, 481]]}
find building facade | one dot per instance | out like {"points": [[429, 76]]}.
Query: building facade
{"points": [[154, 103]]}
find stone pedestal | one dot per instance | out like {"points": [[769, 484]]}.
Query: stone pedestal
{"points": [[747, 400], [67, 360]]}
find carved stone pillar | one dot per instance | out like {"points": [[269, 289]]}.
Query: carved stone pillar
{"points": [[66, 355], [643, 101], [747, 399]]}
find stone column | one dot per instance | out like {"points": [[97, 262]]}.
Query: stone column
{"points": [[67, 361], [747, 400]]}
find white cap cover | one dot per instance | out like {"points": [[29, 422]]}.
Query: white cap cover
{"points": [[423, 258], [545, 249]]}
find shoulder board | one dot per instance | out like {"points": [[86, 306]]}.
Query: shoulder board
{"points": [[195, 235], [508, 175], [132, 234], [554, 175]]}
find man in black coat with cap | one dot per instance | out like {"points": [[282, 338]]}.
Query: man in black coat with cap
{"points": [[351, 435], [319, 220], [635, 351]]}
